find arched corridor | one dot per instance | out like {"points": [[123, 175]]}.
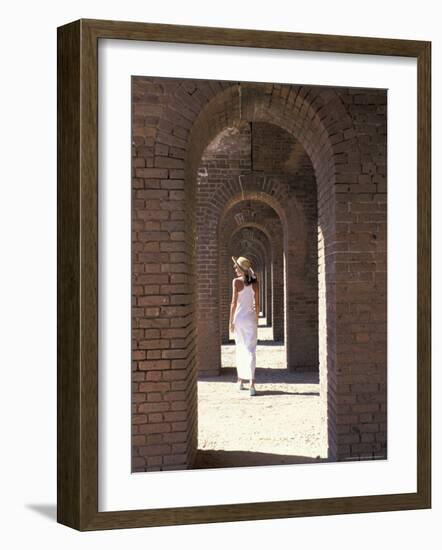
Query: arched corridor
{"points": [[293, 177], [272, 220], [243, 184]]}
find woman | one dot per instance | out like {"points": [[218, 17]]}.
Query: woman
{"points": [[244, 314]]}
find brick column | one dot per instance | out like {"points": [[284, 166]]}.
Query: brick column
{"points": [[361, 284], [261, 283], [164, 420], [226, 276], [302, 284], [209, 337], [268, 291], [163, 354], [277, 282]]}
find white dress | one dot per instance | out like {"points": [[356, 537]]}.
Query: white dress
{"points": [[246, 333]]}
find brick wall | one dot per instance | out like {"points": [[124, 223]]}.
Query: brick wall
{"points": [[361, 281]]}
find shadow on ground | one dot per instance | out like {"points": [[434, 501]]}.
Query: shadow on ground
{"points": [[232, 459], [46, 510], [260, 342], [278, 392], [267, 376]]}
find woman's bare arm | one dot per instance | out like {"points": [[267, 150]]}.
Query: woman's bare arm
{"points": [[233, 304], [256, 289]]}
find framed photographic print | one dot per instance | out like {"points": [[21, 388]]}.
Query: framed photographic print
{"points": [[243, 274]]}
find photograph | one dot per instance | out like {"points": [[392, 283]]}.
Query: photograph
{"points": [[220, 253], [258, 274]]}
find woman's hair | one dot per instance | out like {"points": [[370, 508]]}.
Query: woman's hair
{"points": [[249, 279]]}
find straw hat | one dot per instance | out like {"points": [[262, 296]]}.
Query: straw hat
{"points": [[244, 265]]}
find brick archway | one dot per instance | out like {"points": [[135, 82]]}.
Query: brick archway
{"points": [[259, 235], [301, 343], [343, 134], [270, 229], [254, 244], [319, 121]]}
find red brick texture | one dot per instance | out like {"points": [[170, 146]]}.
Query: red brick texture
{"points": [[312, 160]]}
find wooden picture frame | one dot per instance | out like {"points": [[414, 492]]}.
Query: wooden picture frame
{"points": [[77, 276]]}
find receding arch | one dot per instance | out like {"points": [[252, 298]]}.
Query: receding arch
{"points": [[274, 298], [253, 241], [174, 120], [306, 126], [209, 300], [315, 116]]}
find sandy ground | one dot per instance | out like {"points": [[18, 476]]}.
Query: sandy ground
{"points": [[280, 425]]}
